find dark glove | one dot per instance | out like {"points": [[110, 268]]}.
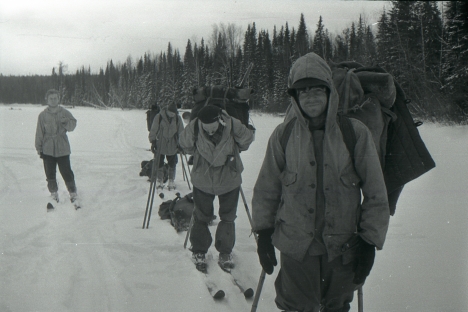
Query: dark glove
{"points": [[180, 150], [266, 250], [364, 262], [41, 155], [153, 146]]}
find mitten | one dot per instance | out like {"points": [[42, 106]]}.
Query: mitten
{"points": [[153, 146], [364, 262], [266, 250]]}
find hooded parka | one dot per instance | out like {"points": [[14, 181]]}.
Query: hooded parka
{"points": [[217, 169], [166, 132], [285, 192], [51, 132]]}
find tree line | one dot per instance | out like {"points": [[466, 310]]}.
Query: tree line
{"points": [[423, 44]]}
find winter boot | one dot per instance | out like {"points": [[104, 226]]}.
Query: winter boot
{"points": [[200, 261], [74, 200], [160, 184], [171, 185], [225, 261]]}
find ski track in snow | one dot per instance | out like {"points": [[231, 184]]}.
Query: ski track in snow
{"points": [[100, 259]]}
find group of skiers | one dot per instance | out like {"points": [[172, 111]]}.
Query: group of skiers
{"points": [[306, 200]]}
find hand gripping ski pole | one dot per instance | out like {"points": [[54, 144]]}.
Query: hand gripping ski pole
{"points": [[262, 274], [185, 171], [149, 202]]}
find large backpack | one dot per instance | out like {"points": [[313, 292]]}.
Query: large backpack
{"points": [[233, 100], [150, 114], [181, 213], [372, 96]]}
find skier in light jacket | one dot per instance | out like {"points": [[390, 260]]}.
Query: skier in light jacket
{"points": [[53, 146], [307, 199], [165, 130], [215, 140]]}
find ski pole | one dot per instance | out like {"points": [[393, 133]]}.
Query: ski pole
{"points": [[150, 192], [185, 172], [188, 166], [262, 274], [360, 299], [149, 202], [258, 291], [190, 227]]}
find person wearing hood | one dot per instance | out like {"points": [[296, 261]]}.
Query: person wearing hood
{"points": [[215, 139], [307, 199], [165, 130], [53, 146]]}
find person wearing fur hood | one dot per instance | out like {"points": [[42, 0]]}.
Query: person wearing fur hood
{"points": [[307, 199]]}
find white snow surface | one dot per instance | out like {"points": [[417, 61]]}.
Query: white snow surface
{"points": [[100, 259]]}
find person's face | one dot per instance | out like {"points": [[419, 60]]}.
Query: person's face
{"points": [[186, 120], [210, 128], [53, 100], [313, 100]]}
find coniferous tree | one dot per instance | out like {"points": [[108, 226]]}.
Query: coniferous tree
{"points": [[302, 39], [318, 46]]}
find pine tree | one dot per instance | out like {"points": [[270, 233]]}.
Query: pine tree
{"points": [[455, 68], [302, 39], [319, 39]]}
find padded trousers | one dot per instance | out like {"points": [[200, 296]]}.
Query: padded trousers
{"points": [[50, 168], [314, 284], [225, 237]]}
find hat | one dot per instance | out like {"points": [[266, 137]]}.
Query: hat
{"points": [[172, 108], [209, 114], [304, 83]]}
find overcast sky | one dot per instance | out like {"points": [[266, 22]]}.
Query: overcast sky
{"points": [[35, 35]]}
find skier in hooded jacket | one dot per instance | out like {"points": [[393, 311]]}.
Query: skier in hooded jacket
{"points": [[215, 140], [307, 199], [165, 130], [53, 146]]}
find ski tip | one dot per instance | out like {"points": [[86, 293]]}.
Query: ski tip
{"points": [[219, 295], [249, 293]]}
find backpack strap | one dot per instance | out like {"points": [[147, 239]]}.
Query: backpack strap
{"points": [[196, 129], [287, 133], [349, 136]]}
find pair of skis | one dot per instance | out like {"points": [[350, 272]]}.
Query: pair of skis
{"points": [[51, 206], [217, 293]]}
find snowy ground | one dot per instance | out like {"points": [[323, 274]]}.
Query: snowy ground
{"points": [[100, 259]]}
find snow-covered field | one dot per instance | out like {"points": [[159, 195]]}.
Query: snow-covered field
{"points": [[100, 259]]}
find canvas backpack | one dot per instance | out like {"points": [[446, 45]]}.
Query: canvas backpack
{"points": [[181, 213], [233, 100], [150, 114]]}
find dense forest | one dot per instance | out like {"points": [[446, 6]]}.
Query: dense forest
{"points": [[422, 43]]}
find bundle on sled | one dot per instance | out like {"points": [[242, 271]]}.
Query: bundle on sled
{"points": [[147, 167], [178, 210], [371, 95]]}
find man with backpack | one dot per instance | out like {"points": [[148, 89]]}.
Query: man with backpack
{"points": [[307, 199], [215, 140], [165, 130]]}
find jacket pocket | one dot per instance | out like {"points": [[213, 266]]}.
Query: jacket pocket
{"points": [[351, 180], [288, 177], [231, 163]]}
